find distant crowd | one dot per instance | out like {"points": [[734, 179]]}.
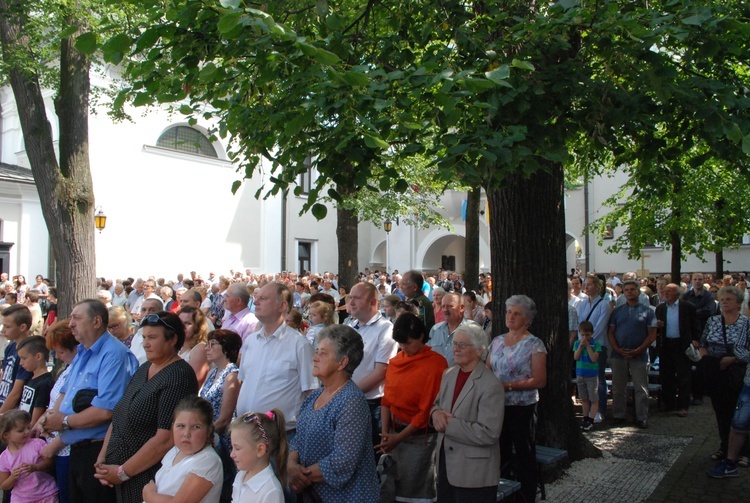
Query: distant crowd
{"points": [[251, 387]]}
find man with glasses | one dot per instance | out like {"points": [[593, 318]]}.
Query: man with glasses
{"points": [[103, 365]]}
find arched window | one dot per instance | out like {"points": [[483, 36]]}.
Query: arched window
{"points": [[186, 139]]}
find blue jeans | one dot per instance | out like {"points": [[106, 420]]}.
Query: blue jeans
{"points": [[741, 419], [603, 382]]}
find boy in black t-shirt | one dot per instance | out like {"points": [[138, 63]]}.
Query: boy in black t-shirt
{"points": [[34, 354], [16, 324]]}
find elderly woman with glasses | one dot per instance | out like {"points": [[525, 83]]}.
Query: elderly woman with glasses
{"points": [[468, 420], [331, 457], [519, 360], [140, 434]]}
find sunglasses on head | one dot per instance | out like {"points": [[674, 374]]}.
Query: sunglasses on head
{"points": [[153, 320]]}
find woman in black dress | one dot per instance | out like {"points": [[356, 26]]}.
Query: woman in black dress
{"points": [[140, 433]]}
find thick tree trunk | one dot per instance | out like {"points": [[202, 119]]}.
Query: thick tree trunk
{"points": [[65, 189], [471, 253], [719, 265], [676, 245], [527, 242], [347, 234]]}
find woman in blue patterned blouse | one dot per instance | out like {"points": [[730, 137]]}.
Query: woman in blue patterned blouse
{"points": [[331, 458]]}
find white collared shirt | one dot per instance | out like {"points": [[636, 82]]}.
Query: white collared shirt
{"points": [[377, 335], [275, 371], [263, 486]]}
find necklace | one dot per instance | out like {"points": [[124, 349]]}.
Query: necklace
{"points": [[318, 405]]}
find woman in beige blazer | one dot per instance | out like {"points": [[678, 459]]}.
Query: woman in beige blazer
{"points": [[468, 415]]}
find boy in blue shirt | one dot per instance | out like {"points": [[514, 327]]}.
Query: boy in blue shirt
{"points": [[586, 353]]}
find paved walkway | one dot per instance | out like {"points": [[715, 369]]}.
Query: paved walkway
{"points": [[665, 463]]}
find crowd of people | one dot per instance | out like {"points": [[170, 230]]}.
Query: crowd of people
{"points": [[290, 387], [695, 331]]}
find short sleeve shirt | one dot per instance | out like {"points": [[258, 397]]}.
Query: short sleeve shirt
{"points": [[513, 363]]}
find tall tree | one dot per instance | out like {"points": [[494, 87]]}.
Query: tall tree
{"points": [[497, 92], [65, 187]]}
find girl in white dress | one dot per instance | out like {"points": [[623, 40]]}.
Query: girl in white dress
{"points": [[257, 436], [190, 471]]}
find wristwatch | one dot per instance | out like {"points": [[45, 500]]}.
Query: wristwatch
{"points": [[124, 477], [65, 424]]}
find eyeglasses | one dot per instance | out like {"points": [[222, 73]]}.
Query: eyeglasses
{"points": [[153, 320], [462, 345]]}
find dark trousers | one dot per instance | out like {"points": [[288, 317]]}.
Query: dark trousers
{"points": [[519, 434], [674, 372], [602, 382], [374, 405], [83, 485], [446, 493]]}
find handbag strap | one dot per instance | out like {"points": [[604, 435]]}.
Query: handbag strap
{"points": [[597, 303]]}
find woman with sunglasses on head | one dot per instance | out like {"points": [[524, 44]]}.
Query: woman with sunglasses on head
{"points": [[140, 433]]}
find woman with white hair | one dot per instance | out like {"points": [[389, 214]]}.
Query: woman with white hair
{"points": [[468, 422], [519, 360]]}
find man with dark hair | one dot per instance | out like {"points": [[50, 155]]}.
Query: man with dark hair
{"points": [[411, 285], [105, 365]]}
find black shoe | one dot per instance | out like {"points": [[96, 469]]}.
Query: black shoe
{"points": [[642, 424], [697, 401], [588, 424]]}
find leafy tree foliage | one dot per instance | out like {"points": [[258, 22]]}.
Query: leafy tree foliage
{"points": [[500, 94]]}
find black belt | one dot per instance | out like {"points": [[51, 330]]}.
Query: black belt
{"points": [[84, 443]]}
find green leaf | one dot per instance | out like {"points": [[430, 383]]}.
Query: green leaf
{"points": [[319, 211], [86, 43], [326, 57], [230, 4], [228, 22], [375, 142], [499, 74], [236, 186], [522, 65], [119, 43], [746, 144], [697, 19], [186, 110], [67, 32], [401, 186], [733, 132], [355, 79], [385, 184]]}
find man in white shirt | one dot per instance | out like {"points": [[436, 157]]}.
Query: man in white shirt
{"points": [[377, 335], [276, 362], [149, 292], [330, 290]]}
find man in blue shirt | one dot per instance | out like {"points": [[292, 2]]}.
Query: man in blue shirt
{"points": [[632, 329], [104, 365]]}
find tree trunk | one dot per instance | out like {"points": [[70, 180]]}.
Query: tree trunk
{"points": [[471, 253], [65, 189], [719, 265], [347, 234], [527, 242], [676, 245]]}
